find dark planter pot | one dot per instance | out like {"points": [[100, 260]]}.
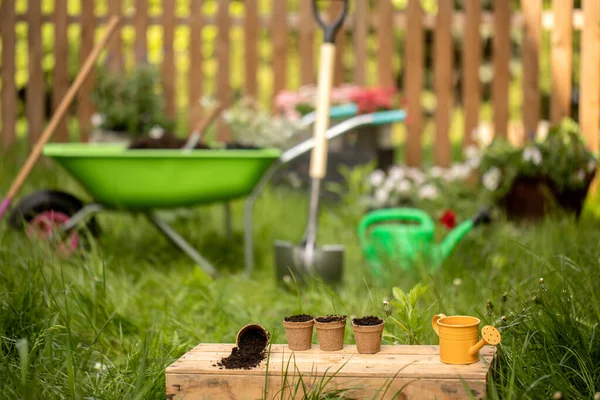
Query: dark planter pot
{"points": [[532, 198], [356, 148]]}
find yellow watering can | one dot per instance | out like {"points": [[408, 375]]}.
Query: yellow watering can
{"points": [[459, 338]]}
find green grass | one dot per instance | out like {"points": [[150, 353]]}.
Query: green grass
{"points": [[107, 323]]}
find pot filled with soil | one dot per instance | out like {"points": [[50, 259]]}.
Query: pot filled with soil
{"points": [[330, 332], [367, 334], [252, 341], [299, 331]]}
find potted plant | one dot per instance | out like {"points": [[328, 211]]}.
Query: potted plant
{"points": [[299, 331], [528, 182], [128, 106], [367, 334], [330, 332]]}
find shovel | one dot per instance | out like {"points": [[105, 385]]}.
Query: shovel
{"points": [[327, 261]]}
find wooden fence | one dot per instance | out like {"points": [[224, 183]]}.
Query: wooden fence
{"points": [[398, 50]]}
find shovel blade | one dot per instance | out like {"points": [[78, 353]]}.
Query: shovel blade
{"points": [[327, 265]]}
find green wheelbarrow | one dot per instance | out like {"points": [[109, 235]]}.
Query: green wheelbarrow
{"points": [[145, 181]]}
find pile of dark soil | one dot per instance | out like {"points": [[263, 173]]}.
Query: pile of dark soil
{"points": [[369, 320], [331, 318], [298, 318], [249, 354], [170, 141]]}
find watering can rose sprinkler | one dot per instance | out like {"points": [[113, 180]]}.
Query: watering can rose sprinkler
{"points": [[325, 262], [405, 236]]}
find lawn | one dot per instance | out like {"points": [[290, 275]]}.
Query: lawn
{"points": [[105, 324]]}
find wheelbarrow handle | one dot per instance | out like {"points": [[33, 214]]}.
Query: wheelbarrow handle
{"points": [[330, 30]]}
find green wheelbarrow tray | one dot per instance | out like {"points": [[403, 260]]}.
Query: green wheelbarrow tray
{"points": [[405, 236], [148, 179]]}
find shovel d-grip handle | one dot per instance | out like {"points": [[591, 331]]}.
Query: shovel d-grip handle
{"points": [[394, 214], [331, 30]]}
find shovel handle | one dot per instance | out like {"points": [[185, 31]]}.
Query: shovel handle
{"points": [[331, 30]]}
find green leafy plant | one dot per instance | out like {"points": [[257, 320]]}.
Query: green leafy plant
{"points": [[406, 314], [560, 159], [130, 104]]}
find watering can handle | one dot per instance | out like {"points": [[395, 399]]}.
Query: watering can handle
{"points": [[434, 323], [393, 214]]}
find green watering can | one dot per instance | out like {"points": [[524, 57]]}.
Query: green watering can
{"points": [[405, 236]]}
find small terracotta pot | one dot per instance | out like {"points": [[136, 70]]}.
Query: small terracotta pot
{"points": [[253, 327], [368, 337], [331, 334], [299, 334]]}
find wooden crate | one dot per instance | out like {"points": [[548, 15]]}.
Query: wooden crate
{"points": [[415, 369]]}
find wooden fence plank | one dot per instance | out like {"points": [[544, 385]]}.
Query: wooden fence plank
{"points": [[471, 84], [115, 58], [589, 104], [222, 50], [361, 34], [141, 31], [385, 34], [35, 86], [562, 58], [250, 47], [340, 43], [532, 37], [60, 82], [85, 108], [196, 71], [168, 63], [501, 59], [279, 43], [306, 36], [443, 84], [414, 82], [9, 87]]}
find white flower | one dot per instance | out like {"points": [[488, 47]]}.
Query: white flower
{"points": [[473, 162], [381, 196], [457, 282], [428, 192], [377, 178], [491, 179], [416, 175], [436, 171], [471, 151], [156, 132], [482, 135], [404, 186], [396, 173], [591, 166], [458, 171], [581, 175], [532, 155], [97, 120]]}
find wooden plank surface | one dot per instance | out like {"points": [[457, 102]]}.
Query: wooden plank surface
{"points": [[385, 35], [443, 68], [279, 42], [196, 373], [60, 81], [115, 58], [168, 63], [360, 36], [471, 51], [561, 54], [501, 59], [8, 70], [85, 108], [413, 83], [196, 72], [250, 47], [532, 37], [141, 30], [222, 50], [35, 93], [306, 36], [335, 8], [589, 102]]}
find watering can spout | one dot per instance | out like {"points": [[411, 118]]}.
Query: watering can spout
{"points": [[489, 335], [458, 233]]}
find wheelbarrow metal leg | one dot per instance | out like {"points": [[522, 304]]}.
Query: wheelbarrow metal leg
{"points": [[81, 215], [228, 223], [180, 242]]}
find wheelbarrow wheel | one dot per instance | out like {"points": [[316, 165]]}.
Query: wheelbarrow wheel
{"points": [[41, 212]]}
